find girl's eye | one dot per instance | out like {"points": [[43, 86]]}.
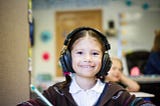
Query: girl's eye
{"points": [[95, 53], [79, 52]]}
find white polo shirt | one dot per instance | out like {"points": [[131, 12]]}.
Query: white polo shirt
{"points": [[86, 97]]}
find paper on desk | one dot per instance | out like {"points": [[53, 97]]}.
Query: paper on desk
{"points": [[142, 94]]}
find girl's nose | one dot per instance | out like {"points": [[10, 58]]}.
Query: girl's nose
{"points": [[88, 57], [117, 70]]}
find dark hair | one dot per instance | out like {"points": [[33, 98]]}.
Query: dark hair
{"points": [[83, 33], [156, 45]]}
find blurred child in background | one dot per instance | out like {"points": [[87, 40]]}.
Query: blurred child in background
{"points": [[115, 74]]}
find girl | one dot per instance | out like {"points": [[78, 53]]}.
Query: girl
{"points": [[85, 55], [115, 74]]}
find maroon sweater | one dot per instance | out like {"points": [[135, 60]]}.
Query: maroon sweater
{"points": [[113, 95]]}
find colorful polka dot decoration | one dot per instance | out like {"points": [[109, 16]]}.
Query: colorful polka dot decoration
{"points": [[45, 36], [46, 56], [145, 6], [128, 2]]}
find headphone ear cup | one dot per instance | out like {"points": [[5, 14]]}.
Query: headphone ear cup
{"points": [[63, 65], [106, 65], [66, 62]]}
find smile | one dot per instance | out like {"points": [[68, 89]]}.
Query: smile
{"points": [[86, 66]]}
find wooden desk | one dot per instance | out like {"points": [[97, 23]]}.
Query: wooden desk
{"points": [[149, 84], [142, 94]]}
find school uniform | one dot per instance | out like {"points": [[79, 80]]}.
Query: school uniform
{"points": [[104, 94]]}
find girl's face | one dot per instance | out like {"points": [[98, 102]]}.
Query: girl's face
{"points": [[115, 72], [86, 57]]}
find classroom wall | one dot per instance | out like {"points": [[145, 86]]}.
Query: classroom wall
{"points": [[137, 34], [14, 32]]}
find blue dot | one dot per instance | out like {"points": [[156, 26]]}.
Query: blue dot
{"points": [[145, 6], [45, 36], [128, 3]]}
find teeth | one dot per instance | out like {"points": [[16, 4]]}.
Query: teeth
{"points": [[86, 66]]}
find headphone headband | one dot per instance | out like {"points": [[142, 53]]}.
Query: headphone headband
{"points": [[103, 38]]}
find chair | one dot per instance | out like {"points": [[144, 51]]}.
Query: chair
{"points": [[137, 59]]}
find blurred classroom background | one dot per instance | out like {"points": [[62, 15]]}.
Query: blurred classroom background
{"points": [[33, 31]]}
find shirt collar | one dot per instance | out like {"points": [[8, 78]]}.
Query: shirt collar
{"points": [[74, 87], [99, 86]]}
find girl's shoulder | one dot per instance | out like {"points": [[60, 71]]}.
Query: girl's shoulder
{"points": [[115, 94], [58, 86], [111, 89], [115, 86]]}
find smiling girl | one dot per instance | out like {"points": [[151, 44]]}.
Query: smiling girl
{"points": [[85, 63]]}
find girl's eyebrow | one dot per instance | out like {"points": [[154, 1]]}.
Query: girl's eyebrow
{"points": [[77, 49], [91, 50], [97, 50]]}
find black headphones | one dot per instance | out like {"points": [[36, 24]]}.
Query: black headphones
{"points": [[66, 60]]}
